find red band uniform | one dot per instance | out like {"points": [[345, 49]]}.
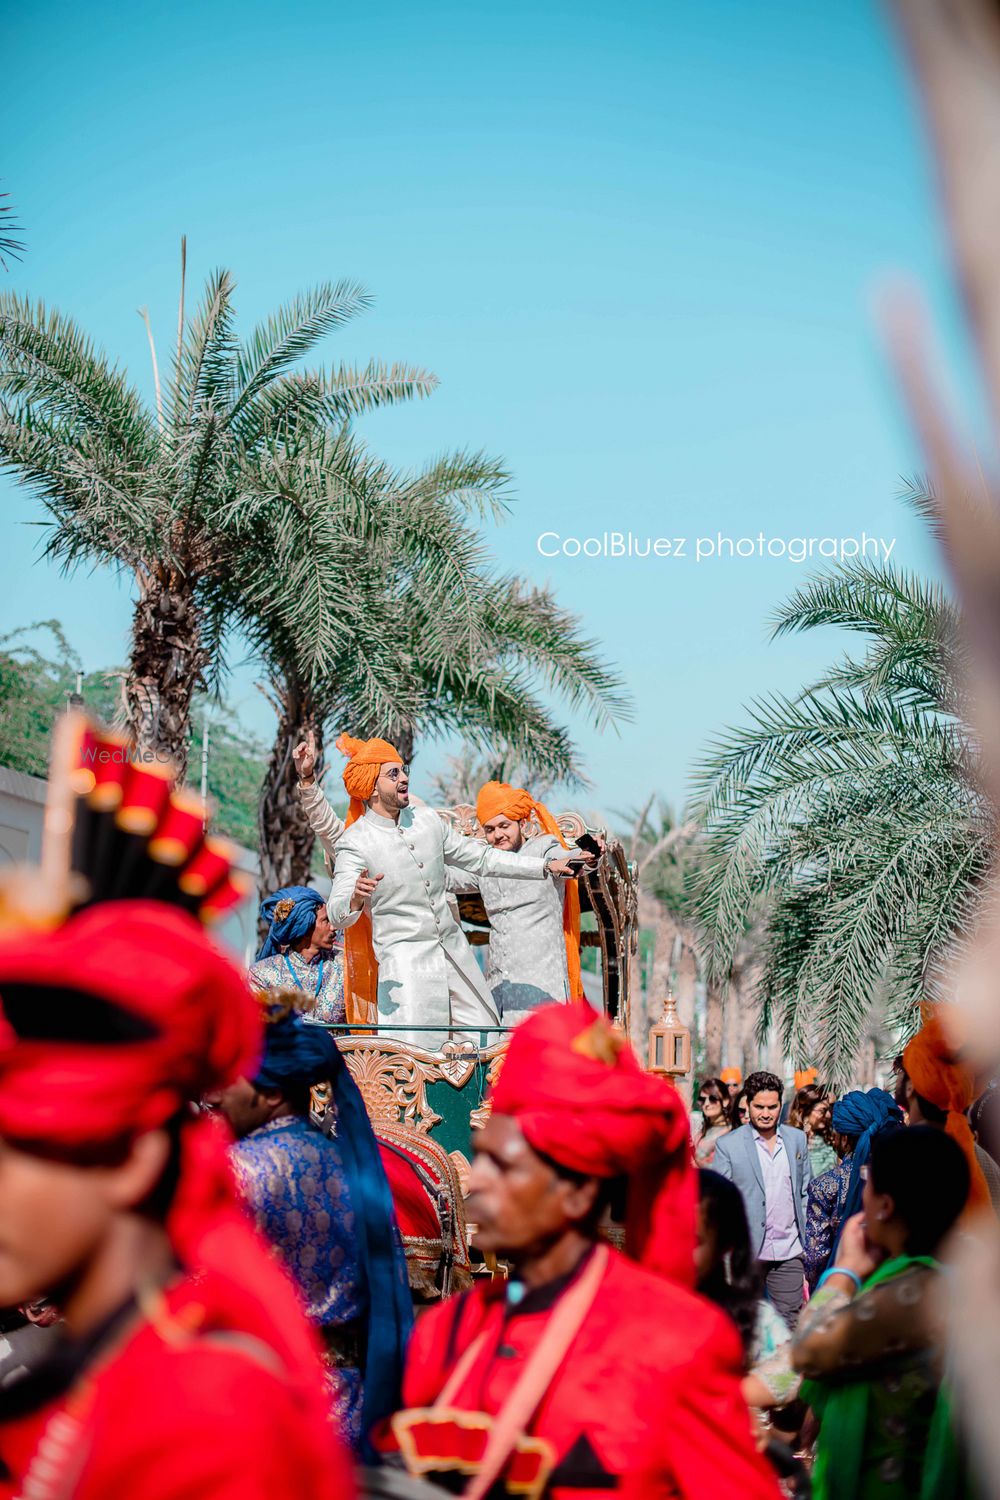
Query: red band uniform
{"points": [[646, 1397], [210, 1386]]}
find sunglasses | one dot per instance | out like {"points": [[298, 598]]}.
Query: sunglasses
{"points": [[710, 1099]]}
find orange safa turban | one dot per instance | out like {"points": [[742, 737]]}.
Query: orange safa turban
{"points": [[497, 799], [366, 758], [576, 1089], [937, 1075]]}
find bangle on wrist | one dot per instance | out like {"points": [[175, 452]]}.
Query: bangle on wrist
{"points": [[839, 1271]]}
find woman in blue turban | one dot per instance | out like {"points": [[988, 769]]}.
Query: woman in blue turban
{"points": [[299, 952], [836, 1194]]}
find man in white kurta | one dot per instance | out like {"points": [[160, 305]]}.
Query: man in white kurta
{"points": [[527, 956], [393, 861]]}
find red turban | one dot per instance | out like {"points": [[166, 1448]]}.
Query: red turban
{"points": [[499, 800], [108, 1026], [578, 1093], [367, 757], [937, 1075]]}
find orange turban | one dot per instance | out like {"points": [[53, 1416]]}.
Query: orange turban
{"points": [[366, 758], [731, 1075], [499, 800], [576, 1089], [937, 1075], [805, 1076]]}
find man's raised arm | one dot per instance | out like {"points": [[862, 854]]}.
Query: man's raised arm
{"points": [[323, 821]]}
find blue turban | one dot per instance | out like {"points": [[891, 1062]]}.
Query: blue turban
{"points": [[300, 1052], [864, 1116], [296, 1052], [292, 925]]}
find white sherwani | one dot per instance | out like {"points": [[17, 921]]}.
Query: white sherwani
{"points": [[428, 975], [526, 958]]}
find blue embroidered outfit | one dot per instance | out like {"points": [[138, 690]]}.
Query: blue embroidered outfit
{"points": [[824, 1216], [322, 977], [836, 1196], [292, 915], [292, 1177], [320, 1195]]}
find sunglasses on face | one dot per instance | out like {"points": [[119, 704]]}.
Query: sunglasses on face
{"points": [[397, 771], [709, 1098]]}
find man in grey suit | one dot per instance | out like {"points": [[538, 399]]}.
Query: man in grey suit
{"points": [[769, 1163]]}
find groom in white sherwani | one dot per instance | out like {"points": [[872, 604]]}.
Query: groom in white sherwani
{"points": [[388, 895]]}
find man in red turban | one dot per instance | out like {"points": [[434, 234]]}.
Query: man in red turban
{"points": [[588, 1371], [186, 1366], [534, 949], [408, 961]]}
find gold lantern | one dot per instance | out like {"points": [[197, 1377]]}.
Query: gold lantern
{"points": [[669, 1042]]}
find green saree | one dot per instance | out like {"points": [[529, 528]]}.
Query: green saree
{"points": [[888, 1435]]}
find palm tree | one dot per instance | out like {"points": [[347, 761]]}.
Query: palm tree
{"points": [[418, 637], [157, 493], [845, 823], [10, 242]]}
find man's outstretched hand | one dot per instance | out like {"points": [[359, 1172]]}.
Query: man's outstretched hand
{"points": [[364, 889], [573, 868], [304, 758]]}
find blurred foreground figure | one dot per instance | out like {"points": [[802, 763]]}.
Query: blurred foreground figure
{"points": [[586, 1372], [319, 1194], [186, 1366], [954, 48]]}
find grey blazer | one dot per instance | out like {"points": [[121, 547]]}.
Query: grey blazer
{"points": [[736, 1158]]}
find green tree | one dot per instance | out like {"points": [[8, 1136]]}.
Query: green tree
{"points": [[846, 823], [419, 637], [159, 493], [35, 686]]}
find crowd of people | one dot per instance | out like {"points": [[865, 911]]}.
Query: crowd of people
{"points": [[820, 1225], [202, 1281]]}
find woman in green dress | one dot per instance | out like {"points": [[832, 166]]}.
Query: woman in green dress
{"points": [[869, 1343]]}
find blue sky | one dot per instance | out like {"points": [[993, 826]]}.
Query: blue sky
{"points": [[638, 244]]}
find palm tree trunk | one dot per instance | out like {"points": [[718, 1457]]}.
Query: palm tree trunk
{"points": [[166, 669], [285, 838]]}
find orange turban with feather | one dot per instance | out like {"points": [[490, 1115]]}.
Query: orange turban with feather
{"points": [[499, 800], [366, 758]]}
